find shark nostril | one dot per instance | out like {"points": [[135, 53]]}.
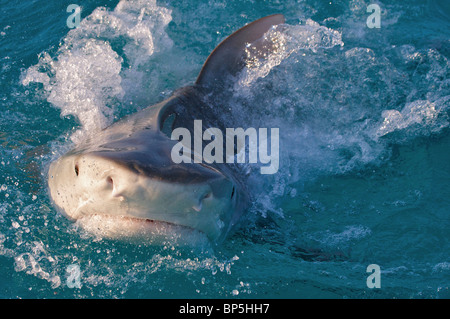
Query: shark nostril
{"points": [[232, 192], [198, 207]]}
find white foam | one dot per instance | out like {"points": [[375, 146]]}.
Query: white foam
{"points": [[417, 112], [88, 77], [140, 231], [349, 234], [33, 264], [287, 39], [442, 267]]}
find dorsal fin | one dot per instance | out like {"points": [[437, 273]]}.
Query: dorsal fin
{"points": [[228, 57]]}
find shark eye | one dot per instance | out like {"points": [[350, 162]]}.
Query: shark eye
{"points": [[77, 170], [167, 125]]}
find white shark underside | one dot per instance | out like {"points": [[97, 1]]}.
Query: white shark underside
{"points": [[123, 182]]}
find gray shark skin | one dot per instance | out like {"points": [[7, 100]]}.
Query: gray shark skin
{"points": [[124, 181]]}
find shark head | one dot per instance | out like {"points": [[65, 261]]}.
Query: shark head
{"points": [[124, 182], [139, 182]]}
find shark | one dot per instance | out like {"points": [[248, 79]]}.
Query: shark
{"points": [[123, 180]]}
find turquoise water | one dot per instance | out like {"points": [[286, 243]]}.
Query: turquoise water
{"points": [[364, 147]]}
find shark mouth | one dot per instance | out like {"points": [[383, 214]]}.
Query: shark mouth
{"points": [[140, 230]]}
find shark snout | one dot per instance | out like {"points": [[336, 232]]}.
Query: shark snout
{"points": [[88, 184]]}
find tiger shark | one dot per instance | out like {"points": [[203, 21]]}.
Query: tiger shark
{"points": [[124, 181]]}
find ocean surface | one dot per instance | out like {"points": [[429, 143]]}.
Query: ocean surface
{"points": [[362, 101]]}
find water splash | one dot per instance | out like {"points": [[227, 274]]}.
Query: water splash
{"points": [[88, 77], [339, 109], [287, 40]]}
